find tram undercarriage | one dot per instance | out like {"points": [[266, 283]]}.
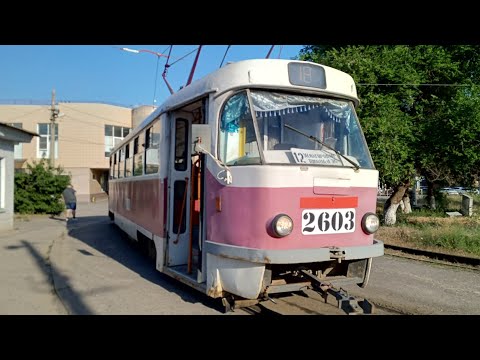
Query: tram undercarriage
{"points": [[324, 278]]}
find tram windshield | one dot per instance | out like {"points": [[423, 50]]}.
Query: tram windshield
{"points": [[296, 129]]}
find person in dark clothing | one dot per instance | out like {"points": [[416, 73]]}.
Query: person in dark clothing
{"points": [[70, 202]]}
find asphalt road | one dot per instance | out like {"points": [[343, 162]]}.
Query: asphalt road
{"points": [[97, 271], [86, 267], [416, 287]]}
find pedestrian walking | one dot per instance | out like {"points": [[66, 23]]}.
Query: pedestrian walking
{"points": [[70, 202]]}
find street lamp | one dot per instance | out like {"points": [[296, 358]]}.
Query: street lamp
{"points": [[144, 50], [157, 54]]}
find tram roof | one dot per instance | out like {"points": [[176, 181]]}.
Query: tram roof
{"points": [[256, 73]]}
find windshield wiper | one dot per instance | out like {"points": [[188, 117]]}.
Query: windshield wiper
{"points": [[313, 138]]}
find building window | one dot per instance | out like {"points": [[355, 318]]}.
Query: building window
{"points": [[113, 136], [43, 142], [17, 149]]}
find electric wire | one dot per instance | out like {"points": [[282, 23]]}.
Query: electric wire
{"points": [[225, 55]]}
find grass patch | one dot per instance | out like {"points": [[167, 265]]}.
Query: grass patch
{"points": [[434, 230], [456, 237]]}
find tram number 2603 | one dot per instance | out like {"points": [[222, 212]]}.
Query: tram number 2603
{"points": [[331, 221]]}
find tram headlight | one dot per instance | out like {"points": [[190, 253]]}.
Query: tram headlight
{"points": [[282, 225], [370, 223]]}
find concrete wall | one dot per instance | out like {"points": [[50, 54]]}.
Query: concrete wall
{"points": [[82, 133], [140, 113], [81, 182], [7, 186]]}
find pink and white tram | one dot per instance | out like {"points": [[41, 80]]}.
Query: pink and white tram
{"points": [[250, 176]]}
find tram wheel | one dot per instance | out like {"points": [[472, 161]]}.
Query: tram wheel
{"points": [[151, 250]]}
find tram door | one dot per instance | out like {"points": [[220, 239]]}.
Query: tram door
{"points": [[179, 190]]}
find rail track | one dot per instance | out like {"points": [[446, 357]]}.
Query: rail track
{"points": [[314, 297], [432, 256], [309, 302]]}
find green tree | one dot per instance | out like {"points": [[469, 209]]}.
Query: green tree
{"points": [[418, 116], [39, 189]]}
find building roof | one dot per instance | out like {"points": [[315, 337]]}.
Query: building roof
{"points": [[13, 133], [59, 102]]}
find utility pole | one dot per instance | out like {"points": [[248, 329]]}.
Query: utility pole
{"points": [[53, 117]]}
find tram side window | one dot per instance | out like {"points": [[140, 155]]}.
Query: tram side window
{"points": [[238, 143], [138, 155], [181, 140], [121, 163], [110, 167], [152, 138], [118, 163], [128, 161], [113, 159]]}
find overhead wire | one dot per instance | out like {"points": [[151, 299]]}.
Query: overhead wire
{"points": [[87, 113], [90, 123], [156, 71], [269, 52], [280, 51], [164, 74], [183, 57], [167, 65], [21, 116], [156, 78], [225, 55], [77, 140], [163, 52]]}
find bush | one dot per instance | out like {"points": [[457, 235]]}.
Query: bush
{"points": [[39, 189]]}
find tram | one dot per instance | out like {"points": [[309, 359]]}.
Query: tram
{"points": [[244, 181]]}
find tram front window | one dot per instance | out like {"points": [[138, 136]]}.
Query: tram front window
{"points": [[238, 142], [293, 129]]}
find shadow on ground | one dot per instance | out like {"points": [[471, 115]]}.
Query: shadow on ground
{"points": [[103, 235], [73, 303]]}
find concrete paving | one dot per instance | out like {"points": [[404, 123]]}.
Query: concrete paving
{"points": [[84, 267], [25, 268]]}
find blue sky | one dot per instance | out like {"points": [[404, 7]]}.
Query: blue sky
{"points": [[106, 73]]}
